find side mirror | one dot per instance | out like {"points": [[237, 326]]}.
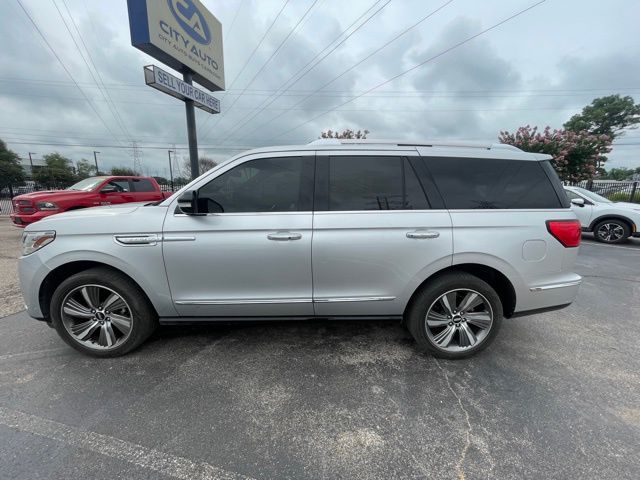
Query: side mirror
{"points": [[108, 189], [188, 203], [578, 201]]}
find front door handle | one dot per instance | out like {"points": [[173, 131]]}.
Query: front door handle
{"points": [[284, 236], [423, 234]]}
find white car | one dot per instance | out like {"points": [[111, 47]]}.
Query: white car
{"points": [[610, 222]]}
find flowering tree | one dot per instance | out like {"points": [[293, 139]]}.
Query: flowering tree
{"points": [[347, 133], [576, 155]]}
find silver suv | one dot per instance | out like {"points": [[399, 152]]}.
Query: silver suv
{"points": [[449, 238]]}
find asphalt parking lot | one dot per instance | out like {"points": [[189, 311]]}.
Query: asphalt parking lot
{"points": [[556, 396]]}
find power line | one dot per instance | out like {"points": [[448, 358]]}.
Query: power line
{"points": [[44, 38], [222, 114], [164, 147], [418, 65], [360, 62], [273, 54], [294, 93], [287, 85], [114, 110], [233, 22], [409, 95], [111, 108]]}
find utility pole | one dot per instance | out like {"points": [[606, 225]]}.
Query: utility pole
{"points": [[191, 129], [31, 162], [95, 158], [170, 168]]}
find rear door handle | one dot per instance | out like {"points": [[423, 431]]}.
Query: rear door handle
{"points": [[423, 234], [284, 236]]}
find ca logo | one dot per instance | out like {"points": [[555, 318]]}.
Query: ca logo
{"points": [[191, 20]]}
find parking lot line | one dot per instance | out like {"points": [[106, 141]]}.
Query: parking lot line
{"points": [[165, 463]]}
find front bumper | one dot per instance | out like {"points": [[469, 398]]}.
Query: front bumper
{"points": [[32, 272], [23, 219]]}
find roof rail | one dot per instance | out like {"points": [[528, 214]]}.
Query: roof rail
{"points": [[410, 143]]}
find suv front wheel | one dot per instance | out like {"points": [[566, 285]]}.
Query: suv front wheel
{"points": [[102, 313], [455, 316]]}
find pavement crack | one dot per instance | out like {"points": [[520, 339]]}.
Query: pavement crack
{"points": [[467, 442]]}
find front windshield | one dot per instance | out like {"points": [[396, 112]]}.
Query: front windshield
{"points": [[592, 196], [87, 184]]}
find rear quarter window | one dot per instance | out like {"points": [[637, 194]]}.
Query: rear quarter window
{"points": [[476, 183], [142, 185]]}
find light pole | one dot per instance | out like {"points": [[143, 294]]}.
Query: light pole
{"points": [[31, 162], [95, 159], [170, 168]]}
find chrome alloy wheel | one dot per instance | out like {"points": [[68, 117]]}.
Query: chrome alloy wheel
{"points": [[610, 232], [459, 320], [96, 317]]}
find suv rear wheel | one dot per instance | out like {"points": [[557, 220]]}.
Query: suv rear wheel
{"points": [[102, 313], [455, 316], [612, 231]]}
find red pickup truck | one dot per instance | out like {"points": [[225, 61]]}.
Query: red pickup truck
{"points": [[90, 192]]}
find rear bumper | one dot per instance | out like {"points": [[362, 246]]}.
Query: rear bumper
{"points": [[554, 294]]}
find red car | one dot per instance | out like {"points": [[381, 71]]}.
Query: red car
{"points": [[90, 192]]}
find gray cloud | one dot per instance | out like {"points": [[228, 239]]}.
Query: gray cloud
{"points": [[520, 74]]}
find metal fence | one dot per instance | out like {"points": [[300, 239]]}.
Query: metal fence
{"points": [[7, 193], [614, 190]]}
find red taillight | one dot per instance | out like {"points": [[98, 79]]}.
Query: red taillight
{"points": [[567, 232]]}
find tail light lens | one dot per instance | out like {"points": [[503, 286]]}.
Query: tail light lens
{"points": [[567, 232]]}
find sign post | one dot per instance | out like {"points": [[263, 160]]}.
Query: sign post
{"points": [[191, 130], [184, 35]]}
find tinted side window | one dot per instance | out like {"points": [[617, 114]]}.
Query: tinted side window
{"points": [[373, 183], [264, 185], [121, 184], [472, 183], [142, 185]]}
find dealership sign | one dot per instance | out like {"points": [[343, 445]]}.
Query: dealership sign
{"points": [[181, 34], [172, 85]]}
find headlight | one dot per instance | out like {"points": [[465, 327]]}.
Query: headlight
{"points": [[34, 241], [47, 206]]}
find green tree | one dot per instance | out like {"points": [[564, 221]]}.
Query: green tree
{"points": [[124, 171], [621, 173], [57, 169], [11, 171], [606, 116], [575, 154], [162, 180], [347, 133], [85, 169]]}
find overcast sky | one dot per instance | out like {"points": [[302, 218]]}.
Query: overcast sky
{"points": [[538, 68]]}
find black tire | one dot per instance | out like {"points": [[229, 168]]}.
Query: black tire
{"points": [[143, 322], [612, 231], [455, 283]]}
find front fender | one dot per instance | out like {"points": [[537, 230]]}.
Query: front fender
{"points": [[149, 274]]}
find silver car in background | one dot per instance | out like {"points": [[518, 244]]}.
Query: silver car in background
{"points": [[447, 237]]}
